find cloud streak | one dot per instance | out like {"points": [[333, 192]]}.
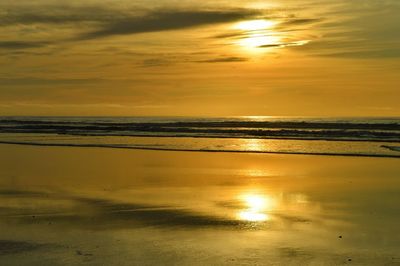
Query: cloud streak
{"points": [[301, 21], [224, 60], [167, 20], [93, 22]]}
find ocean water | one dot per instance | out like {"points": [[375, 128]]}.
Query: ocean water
{"points": [[290, 135]]}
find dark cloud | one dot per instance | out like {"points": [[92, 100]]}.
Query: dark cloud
{"points": [[224, 60], [283, 44], [235, 34], [109, 21], [271, 45], [43, 14], [118, 21], [301, 21], [167, 20], [21, 44]]}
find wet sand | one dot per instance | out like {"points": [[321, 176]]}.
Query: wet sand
{"points": [[94, 206]]}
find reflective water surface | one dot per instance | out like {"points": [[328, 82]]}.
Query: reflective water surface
{"points": [[94, 206]]}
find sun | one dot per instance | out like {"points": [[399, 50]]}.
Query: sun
{"points": [[257, 33], [254, 25]]}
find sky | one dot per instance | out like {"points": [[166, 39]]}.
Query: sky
{"points": [[200, 58]]}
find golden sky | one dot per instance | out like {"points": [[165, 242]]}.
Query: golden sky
{"points": [[195, 58]]}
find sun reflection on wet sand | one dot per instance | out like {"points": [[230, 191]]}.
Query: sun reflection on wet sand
{"points": [[256, 207]]}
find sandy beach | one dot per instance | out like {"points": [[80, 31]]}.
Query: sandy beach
{"points": [[94, 206]]}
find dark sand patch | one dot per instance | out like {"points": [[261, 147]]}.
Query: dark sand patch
{"points": [[11, 247]]}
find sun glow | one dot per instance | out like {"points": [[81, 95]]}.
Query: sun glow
{"points": [[262, 35], [259, 40], [257, 34]]}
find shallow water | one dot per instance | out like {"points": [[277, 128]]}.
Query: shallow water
{"points": [[237, 145], [69, 206]]}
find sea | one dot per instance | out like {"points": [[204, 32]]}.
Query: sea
{"points": [[361, 136]]}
